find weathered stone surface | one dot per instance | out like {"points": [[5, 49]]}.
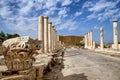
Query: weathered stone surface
{"points": [[115, 34], [101, 38], [19, 52], [29, 76], [39, 71]]}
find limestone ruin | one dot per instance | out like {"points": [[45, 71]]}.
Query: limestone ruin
{"points": [[27, 58]]}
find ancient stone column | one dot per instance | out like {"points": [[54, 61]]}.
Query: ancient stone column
{"points": [[85, 38], [91, 40], [49, 36], [101, 38], [41, 31], [45, 34], [94, 45], [52, 30], [58, 45], [54, 36], [115, 34]]}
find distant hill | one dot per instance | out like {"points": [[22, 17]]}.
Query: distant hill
{"points": [[71, 40]]}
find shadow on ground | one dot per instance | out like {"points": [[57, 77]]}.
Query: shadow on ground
{"points": [[74, 77], [56, 74]]}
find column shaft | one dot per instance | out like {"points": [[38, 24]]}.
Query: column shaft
{"points": [[101, 38], [41, 31], [49, 36], [91, 41], [115, 34], [45, 34]]}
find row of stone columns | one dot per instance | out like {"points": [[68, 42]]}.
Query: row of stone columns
{"points": [[89, 43], [88, 40], [47, 34]]}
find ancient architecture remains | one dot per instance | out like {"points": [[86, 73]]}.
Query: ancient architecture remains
{"points": [[85, 40], [101, 38], [91, 40], [45, 34], [48, 35], [41, 31], [23, 56], [19, 56], [115, 34], [94, 45], [88, 40]]}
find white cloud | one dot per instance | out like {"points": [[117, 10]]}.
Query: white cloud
{"points": [[91, 16], [24, 21], [87, 4], [68, 25], [26, 8], [102, 9], [63, 12], [56, 20], [66, 2], [100, 5], [78, 14], [4, 9], [96, 27]]}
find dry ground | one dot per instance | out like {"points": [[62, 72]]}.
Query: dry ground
{"points": [[85, 65]]}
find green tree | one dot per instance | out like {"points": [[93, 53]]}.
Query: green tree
{"points": [[12, 35], [2, 36]]}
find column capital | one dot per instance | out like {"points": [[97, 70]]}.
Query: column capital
{"points": [[49, 22], [90, 30], [115, 20], [46, 17], [101, 28], [40, 18]]}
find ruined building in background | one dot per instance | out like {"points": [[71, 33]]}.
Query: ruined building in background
{"points": [[71, 40]]}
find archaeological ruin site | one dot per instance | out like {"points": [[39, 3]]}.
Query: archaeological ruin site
{"points": [[57, 57]]}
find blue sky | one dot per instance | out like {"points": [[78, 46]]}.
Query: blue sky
{"points": [[70, 17]]}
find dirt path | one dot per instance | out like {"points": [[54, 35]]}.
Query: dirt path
{"points": [[85, 65]]}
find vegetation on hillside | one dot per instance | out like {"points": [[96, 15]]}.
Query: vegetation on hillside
{"points": [[4, 36]]}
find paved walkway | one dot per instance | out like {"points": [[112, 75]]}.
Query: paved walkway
{"points": [[86, 65]]}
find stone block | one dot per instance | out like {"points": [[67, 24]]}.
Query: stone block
{"points": [[22, 75], [39, 71]]}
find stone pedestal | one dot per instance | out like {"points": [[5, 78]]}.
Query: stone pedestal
{"points": [[23, 75], [39, 71], [115, 34], [101, 38]]}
